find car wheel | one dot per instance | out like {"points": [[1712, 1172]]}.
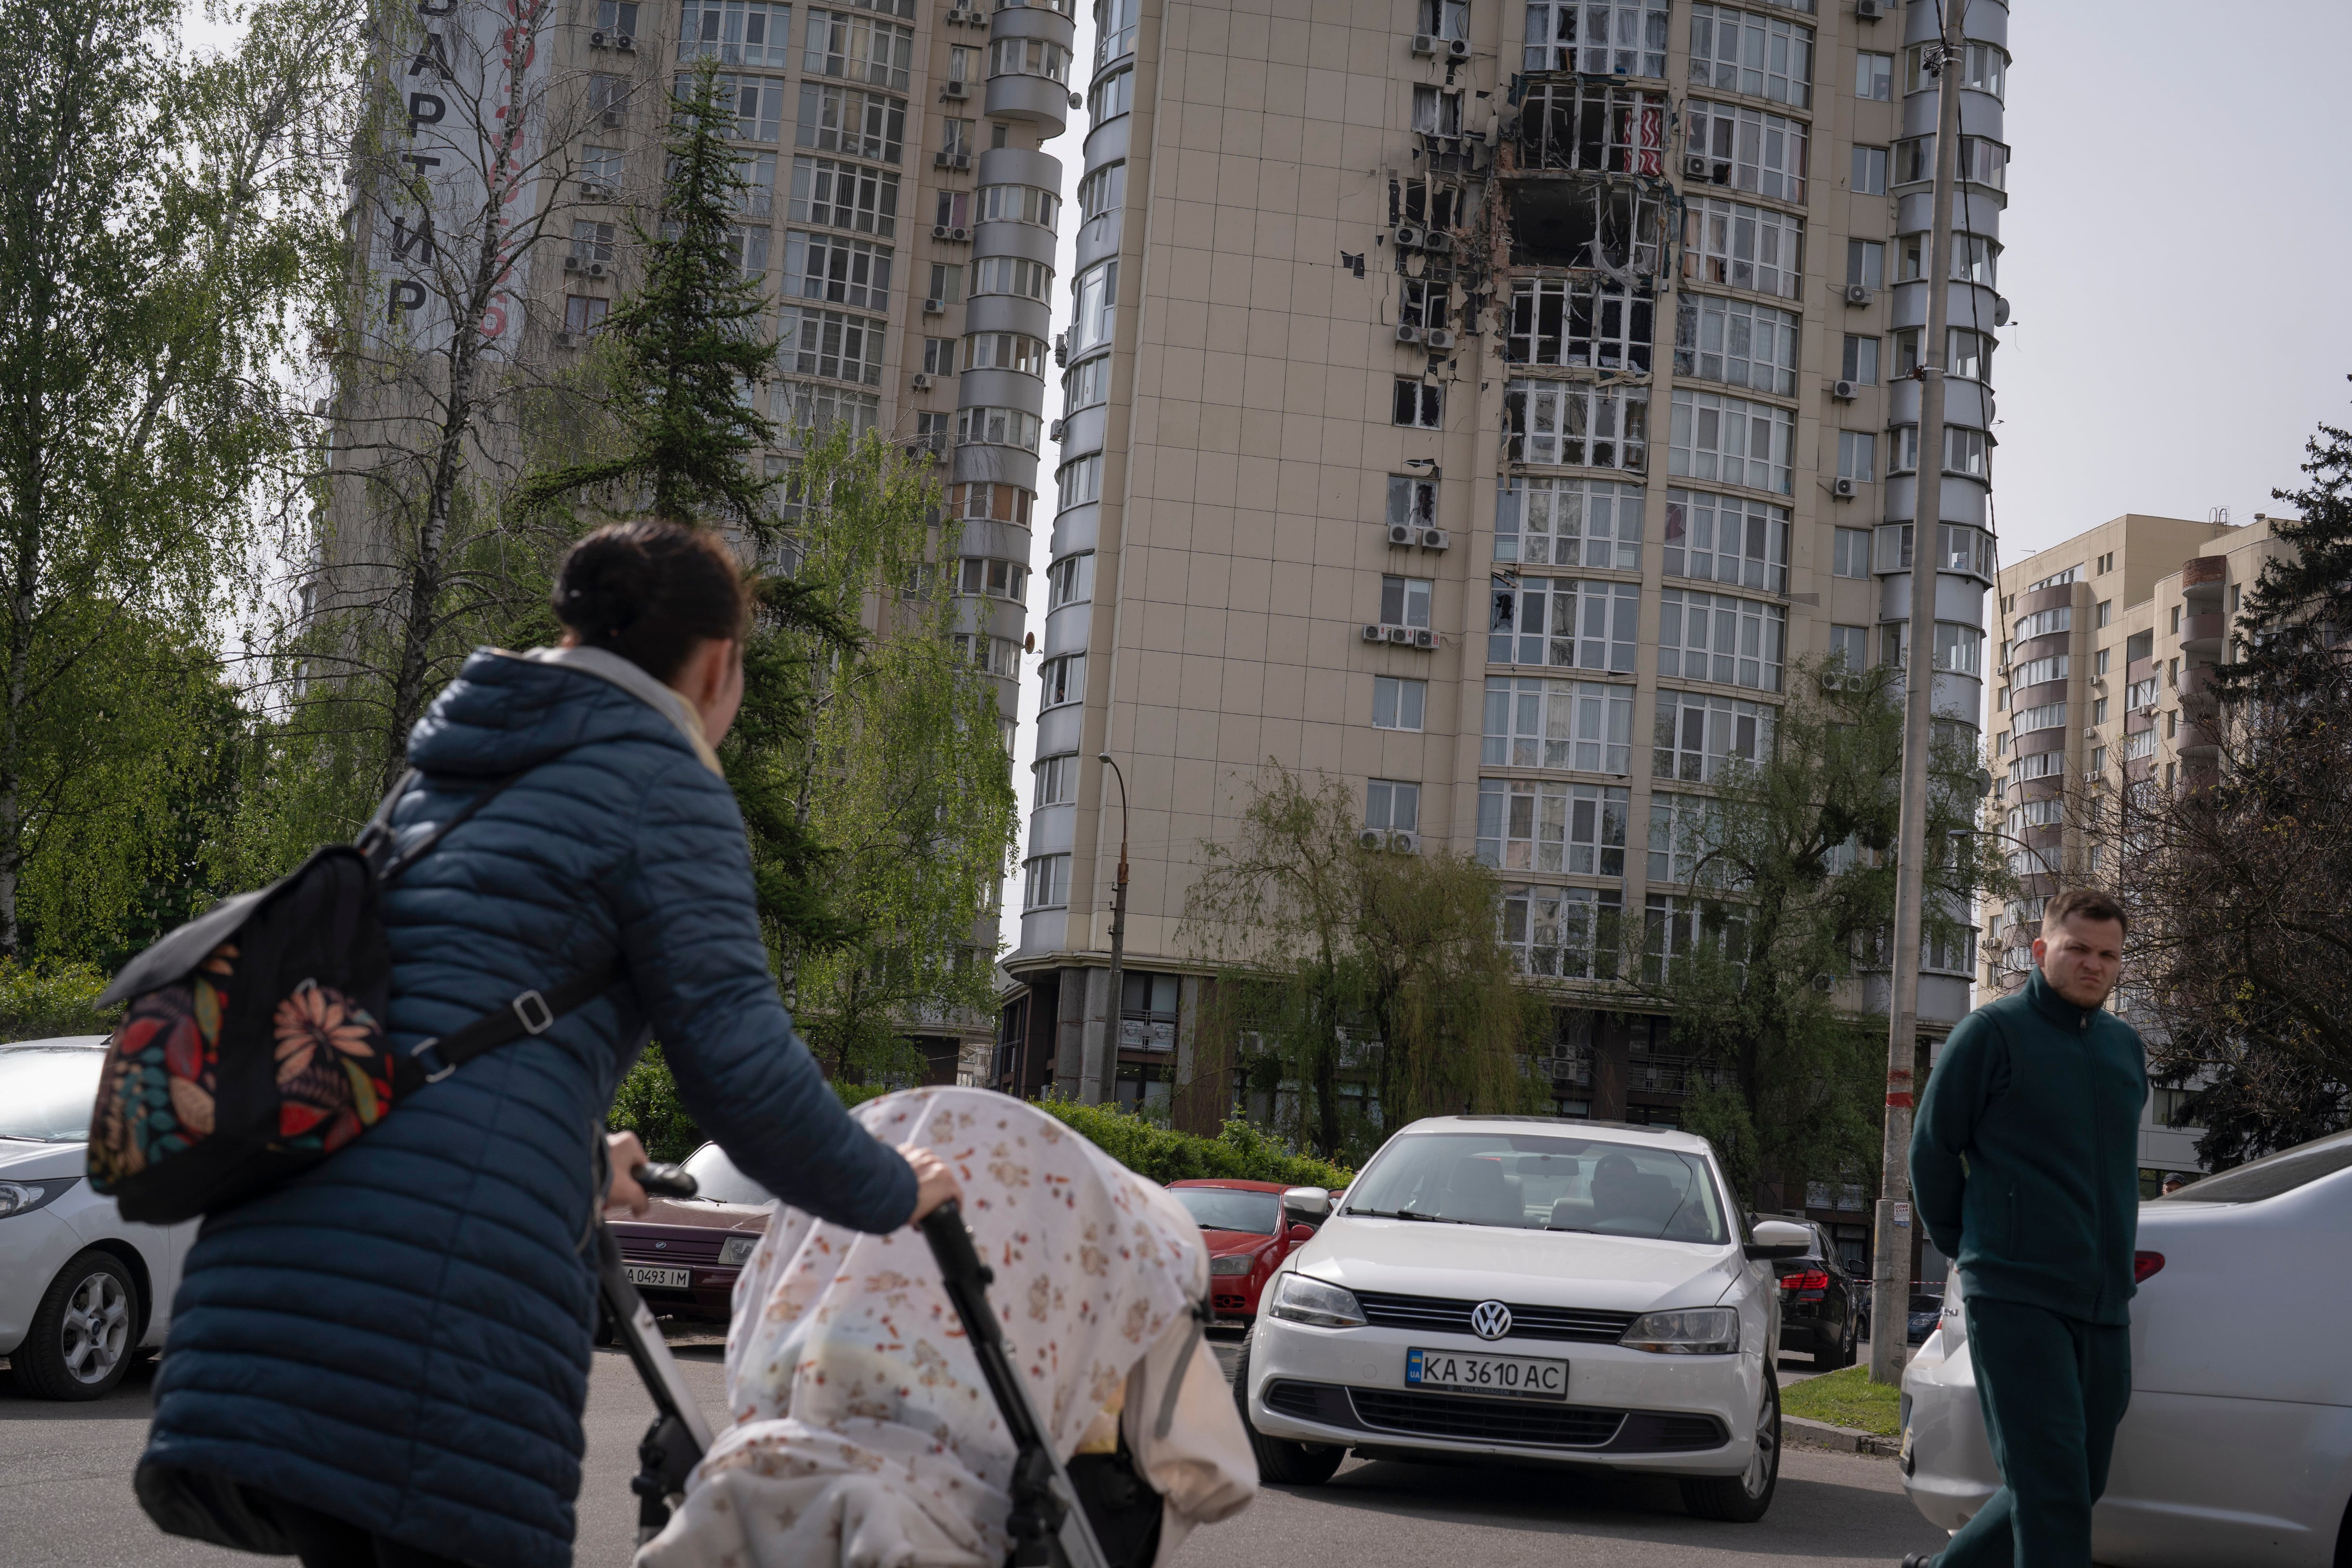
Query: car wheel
{"points": [[1851, 1351], [1742, 1498], [79, 1343], [1279, 1461]]}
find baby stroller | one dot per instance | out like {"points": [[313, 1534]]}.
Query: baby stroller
{"points": [[1095, 1512]]}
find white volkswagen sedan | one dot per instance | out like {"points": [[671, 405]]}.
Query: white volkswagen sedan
{"points": [[2237, 1447], [1523, 1287], [81, 1288]]}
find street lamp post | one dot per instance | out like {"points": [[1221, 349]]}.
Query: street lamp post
{"points": [[1094, 1084]]}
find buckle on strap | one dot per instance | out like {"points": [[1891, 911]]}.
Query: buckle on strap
{"points": [[523, 1006], [428, 1054]]}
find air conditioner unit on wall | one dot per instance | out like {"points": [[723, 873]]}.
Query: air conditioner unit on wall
{"points": [[1372, 838], [612, 117], [1844, 391], [1457, 48], [1401, 533], [935, 307], [955, 91], [923, 381], [1858, 294], [1424, 43], [1437, 241], [573, 264], [1375, 632], [1054, 431], [1407, 332], [1694, 165], [1846, 490], [1438, 337], [625, 44], [1399, 634], [597, 269], [1869, 10], [1408, 238], [959, 234], [598, 40], [1423, 637], [1433, 539]]}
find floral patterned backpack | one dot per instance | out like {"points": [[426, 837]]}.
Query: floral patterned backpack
{"points": [[254, 1046]]}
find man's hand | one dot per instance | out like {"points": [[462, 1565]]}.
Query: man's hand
{"points": [[935, 1182], [627, 1154]]}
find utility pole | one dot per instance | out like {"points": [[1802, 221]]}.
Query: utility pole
{"points": [[1102, 1061], [1890, 1296]]}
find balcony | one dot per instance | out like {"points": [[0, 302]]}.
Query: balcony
{"points": [[2203, 633], [2202, 737], [2202, 578], [2200, 688]]}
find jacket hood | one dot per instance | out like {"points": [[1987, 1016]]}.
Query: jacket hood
{"points": [[506, 712]]}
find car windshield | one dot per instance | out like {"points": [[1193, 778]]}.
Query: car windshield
{"points": [[2270, 1176], [1538, 1181], [716, 1176], [1230, 1209], [1927, 1303], [47, 1091]]}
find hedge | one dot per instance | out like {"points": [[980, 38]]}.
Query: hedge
{"points": [[1238, 1151]]}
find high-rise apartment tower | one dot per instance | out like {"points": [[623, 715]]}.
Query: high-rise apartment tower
{"points": [[1484, 403]]}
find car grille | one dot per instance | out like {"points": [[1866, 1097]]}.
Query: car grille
{"points": [[1520, 1423], [1439, 1315], [1527, 1425]]}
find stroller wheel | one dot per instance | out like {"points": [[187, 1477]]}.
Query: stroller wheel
{"points": [[1279, 1461], [606, 1334]]}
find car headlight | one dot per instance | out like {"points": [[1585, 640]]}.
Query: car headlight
{"points": [[736, 1251], [1233, 1263], [1304, 1300], [24, 1197], [1693, 1330]]}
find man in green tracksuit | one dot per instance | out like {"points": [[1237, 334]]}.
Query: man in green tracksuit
{"points": [[2024, 1164]]}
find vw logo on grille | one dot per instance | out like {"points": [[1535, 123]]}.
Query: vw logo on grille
{"points": [[1490, 1320]]}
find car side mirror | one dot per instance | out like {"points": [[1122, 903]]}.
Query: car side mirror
{"points": [[1777, 1238], [1301, 1234], [1312, 1202]]}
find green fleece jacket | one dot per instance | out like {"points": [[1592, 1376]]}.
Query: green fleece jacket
{"points": [[2025, 1157]]}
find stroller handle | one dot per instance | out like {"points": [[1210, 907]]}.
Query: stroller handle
{"points": [[663, 1179]]}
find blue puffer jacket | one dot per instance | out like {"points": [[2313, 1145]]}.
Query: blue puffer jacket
{"points": [[400, 1338]]}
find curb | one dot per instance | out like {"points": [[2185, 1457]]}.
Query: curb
{"points": [[1796, 1431]]}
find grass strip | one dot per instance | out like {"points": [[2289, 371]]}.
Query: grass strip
{"points": [[1846, 1398]]}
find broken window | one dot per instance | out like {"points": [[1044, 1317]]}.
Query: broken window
{"points": [[1420, 203], [1751, 150], [1975, 258], [1596, 126], [1421, 302], [1604, 38], [1436, 112], [1724, 539], [1730, 439], [1736, 342], [1610, 227], [1589, 322], [1567, 522], [1762, 57], [1982, 66], [1419, 404], [1443, 18], [1413, 501], [1745, 246], [1563, 623], [1576, 424]]}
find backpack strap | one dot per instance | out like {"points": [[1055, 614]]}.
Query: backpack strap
{"points": [[526, 1013]]}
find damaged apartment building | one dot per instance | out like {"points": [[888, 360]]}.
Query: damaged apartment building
{"points": [[1484, 404]]}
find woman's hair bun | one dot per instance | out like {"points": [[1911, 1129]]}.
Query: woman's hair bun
{"points": [[650, 592]]}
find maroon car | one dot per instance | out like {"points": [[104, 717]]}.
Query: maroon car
{"points": [[684, 1255]]}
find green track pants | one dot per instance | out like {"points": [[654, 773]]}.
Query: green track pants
{"points": [[2053, 1389]]}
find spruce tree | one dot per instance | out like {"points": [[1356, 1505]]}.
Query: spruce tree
{"points": [[2292, 623]]}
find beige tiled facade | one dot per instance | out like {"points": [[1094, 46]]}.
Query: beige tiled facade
{"points": [[1248, 432]]}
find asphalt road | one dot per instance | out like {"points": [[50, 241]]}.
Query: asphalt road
{"points": [[66, 1501]]}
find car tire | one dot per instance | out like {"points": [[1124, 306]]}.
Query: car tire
{"points": [[1280, 1460], [1851, 1351], [1743, 1498], [82, 1335]]}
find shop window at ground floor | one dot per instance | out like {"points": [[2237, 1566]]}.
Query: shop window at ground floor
{"points": [[1145, 1085]]}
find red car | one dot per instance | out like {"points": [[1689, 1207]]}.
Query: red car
{"points": [[1249, 1228], [685, 1254]]}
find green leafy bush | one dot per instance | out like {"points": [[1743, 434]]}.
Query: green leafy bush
{"points": [[37, 1001], [1238, 1151], [646, 1104]]}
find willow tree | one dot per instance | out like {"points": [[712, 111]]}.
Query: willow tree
{"points": [[1347, 965]]}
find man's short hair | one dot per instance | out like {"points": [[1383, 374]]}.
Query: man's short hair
{"points": [[2082, 903]]}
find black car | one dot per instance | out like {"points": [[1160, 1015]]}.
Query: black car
{"points": [[1818, 1314], [1926, 1312]]}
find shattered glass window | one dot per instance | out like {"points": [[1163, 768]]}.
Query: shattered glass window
{"points": [[1563, 623], [1736, 342], [1745, 246], [1567, 522], [1724, 539], [1751, 150], [1585, 322], [1762, 57], [1577, 425], [1606, 226], [1622, 37], [1731, 440], [1593, 125]]}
